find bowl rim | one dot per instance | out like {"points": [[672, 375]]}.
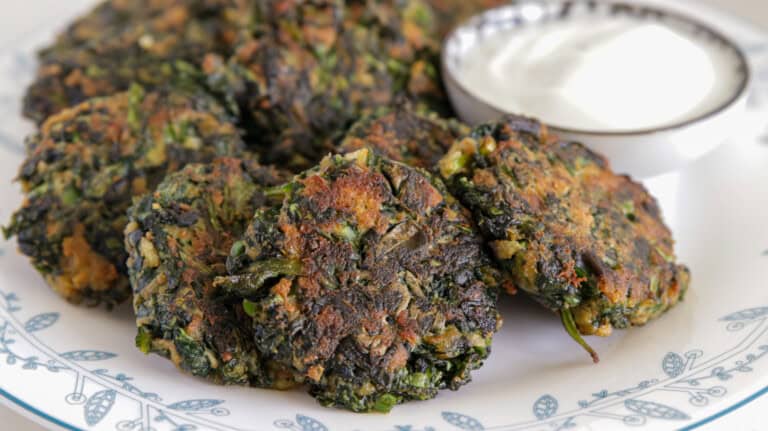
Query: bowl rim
{"points": [[738, 94]]}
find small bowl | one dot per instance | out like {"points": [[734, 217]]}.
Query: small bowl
{"points": [[641, 153]]}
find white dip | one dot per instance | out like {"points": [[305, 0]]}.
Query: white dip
{"points": [[601, 73]]}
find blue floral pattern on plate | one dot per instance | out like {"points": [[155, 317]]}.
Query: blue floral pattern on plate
{"points": [[685, 373], [106, 386], [684, 383]]}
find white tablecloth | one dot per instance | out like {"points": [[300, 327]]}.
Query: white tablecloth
{"points": [[24, 16]]}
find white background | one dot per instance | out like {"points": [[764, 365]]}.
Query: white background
{"points": [[18, 19]]}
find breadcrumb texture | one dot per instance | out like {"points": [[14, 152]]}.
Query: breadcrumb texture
{"points": [[369, 282], [568, 231]]}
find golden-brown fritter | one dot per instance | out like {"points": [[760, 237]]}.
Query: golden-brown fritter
{"points": [[121, 42], [178, 239], [580, 239], [405, 135], [87, 163], [369, 281], [313, 67]]}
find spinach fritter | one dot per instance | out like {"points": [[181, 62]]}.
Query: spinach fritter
{"points": [[581, 240], [369, 282], [87, 163], [125, 41], [405, 135], [178, 240], [313, 67]]}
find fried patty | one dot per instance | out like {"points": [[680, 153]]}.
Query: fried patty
{"points": [[125, 41], [178, 240], [405, 135], [580, 239], [313, 67], [87, 163], [369, 282]]}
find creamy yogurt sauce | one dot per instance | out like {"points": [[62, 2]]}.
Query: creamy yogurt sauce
{"points": [[601, 73]]}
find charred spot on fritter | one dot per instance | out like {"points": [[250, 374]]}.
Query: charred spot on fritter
{"points": [[405, 135], [84, 167], [580, 239], [313, 67], [369, 282], [178, 239], [126, 41]]}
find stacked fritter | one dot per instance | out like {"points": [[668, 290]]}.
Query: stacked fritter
{"points": [[362, 278], [86, 164], [178, 240], [121, 42], [581, 240], [312, 68], [369, 276], [405, 135]]}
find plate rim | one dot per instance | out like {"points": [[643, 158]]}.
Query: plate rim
{"points": [[42, 418], [50, 421]]}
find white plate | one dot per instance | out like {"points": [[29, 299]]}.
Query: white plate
{"points": [[77, 368]]}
